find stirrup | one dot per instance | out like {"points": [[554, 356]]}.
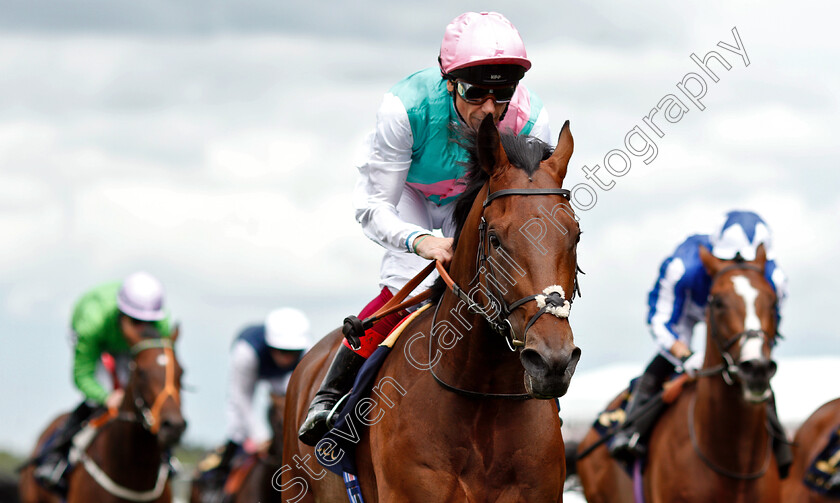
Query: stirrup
{"points": [[51, 475], [330, 419]]}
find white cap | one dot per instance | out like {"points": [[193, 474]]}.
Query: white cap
{"points": [[287, 329], [741, 233], [141, 297]]}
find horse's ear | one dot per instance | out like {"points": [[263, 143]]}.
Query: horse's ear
{"points": [[760, 256], [559, 160], [490, 154], [173, 335], [711, 263]]}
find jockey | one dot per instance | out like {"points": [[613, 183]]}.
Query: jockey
{"points": [[267, 352], [413, 170], [101, 317], [678, 302]]}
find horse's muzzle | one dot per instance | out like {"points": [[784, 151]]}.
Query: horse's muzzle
{"points": [[170, 432], [755, 378], [549, 377]]}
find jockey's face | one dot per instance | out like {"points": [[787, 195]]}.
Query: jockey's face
{"points": [[283, 358], [474, 114]]}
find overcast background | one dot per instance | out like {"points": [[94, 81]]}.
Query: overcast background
{"points": [[213, 144]]}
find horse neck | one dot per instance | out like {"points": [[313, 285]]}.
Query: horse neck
{"points": [[480, 360], [128, 448], [729, 429]]}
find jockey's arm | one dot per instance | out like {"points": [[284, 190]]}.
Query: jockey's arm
{"points": [[88, 326], [382, 176], [242, 381], [666, 303]]}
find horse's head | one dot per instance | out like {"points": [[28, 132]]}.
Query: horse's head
{"points": [[741, 323], [526, 240], [153, 392]]}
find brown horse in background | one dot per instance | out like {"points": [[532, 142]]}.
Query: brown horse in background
{"points": [[810, 440], [712, 443], [451, 418], [126, 459]]}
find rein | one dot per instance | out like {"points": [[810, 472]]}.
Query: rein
{"points": [[551, 300], [147, 417], [708, 462]]}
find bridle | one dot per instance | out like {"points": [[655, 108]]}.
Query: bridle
{"points": [[497, 315], [728, 368], [150, 415]]}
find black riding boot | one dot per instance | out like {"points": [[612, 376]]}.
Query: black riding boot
{"points": [[337, 383], [781, 446], [53, 463], [626, 443]]}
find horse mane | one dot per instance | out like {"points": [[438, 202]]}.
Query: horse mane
{"points": [[524, 152]]}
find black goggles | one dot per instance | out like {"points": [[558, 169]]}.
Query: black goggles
{"points": [[476, 95]]}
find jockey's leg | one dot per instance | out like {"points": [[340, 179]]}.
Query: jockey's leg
{"points": [[342, 371], [337, 383], [627, 443], [781, 446], [397, 268], [53, 464]]}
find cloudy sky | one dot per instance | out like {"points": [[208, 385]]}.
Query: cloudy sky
{"points": [[213, 145]]}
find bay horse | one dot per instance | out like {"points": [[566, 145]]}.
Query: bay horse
{"points": [[452, 417], [126, 457], [711, 444], [811, 438]]}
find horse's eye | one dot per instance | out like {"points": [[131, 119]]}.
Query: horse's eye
{"points": [[717, 303], [494, 240]]}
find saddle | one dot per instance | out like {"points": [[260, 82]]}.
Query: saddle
{"points": [[611, 420], [823, 476]]}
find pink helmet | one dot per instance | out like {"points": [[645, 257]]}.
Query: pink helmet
{"points": [[482, 40]]}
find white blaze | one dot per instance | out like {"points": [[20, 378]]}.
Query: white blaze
{"points": [[751, 348]]}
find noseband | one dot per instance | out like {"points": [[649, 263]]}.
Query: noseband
{"points": [[552, 300]]}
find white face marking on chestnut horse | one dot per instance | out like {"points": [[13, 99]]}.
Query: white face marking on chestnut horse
{"points": [[162, 360], [751, 347]]}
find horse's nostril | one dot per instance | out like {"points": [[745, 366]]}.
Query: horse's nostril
{"points": [[534, 363]]}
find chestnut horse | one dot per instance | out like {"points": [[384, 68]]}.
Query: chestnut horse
{"points": [[453, 418], [810, 440], [126, 459], [712, 443]]}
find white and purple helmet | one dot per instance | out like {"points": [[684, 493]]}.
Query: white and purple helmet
{"points": [[141, 297], [741, 233], [483, 48]]}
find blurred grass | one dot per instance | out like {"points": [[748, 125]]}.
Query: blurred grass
{"points": [[9, 462]]}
